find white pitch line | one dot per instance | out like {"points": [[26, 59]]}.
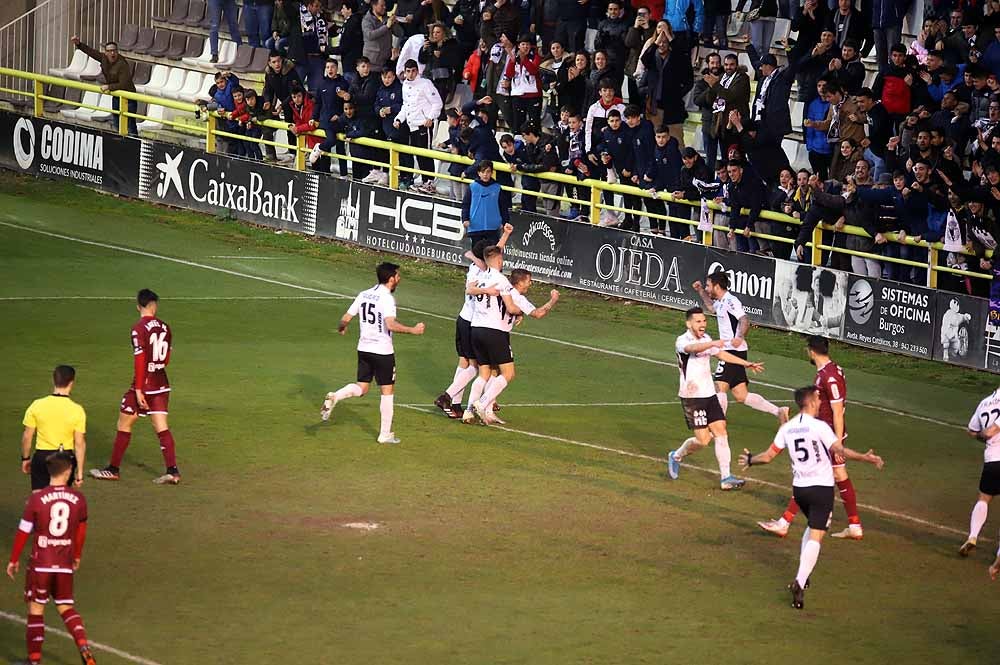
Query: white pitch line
{"points": [[582, 404], [553, 340], [94, 645], [255, 258], [209, 298], [714, 472]]}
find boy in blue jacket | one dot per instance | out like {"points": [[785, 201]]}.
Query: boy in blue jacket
{"points": [[486, 206], [388, 102], [328, 108], [662, 175]]}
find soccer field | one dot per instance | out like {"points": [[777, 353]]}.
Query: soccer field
{"points": [[555, 539]]}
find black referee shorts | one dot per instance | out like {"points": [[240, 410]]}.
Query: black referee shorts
{"points": [[40, 473], [816, 503]]}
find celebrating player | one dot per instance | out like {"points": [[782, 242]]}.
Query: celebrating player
{"points": [[985, 426], [733, 327], [832, 387], [450, 400], [702, 411], [499, 303], [376, 355], [57, 514], [814, 449], [149, 393]]}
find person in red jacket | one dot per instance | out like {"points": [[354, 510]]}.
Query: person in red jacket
{"points": [[525, 81], [298, 112]]}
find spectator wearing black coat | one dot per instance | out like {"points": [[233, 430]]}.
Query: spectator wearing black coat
{"points": [[500, 18], [693, 168], [571, 26], [442, 57], [352, 40], [540, 154], [770, 115], [465, 19], [745, 191], [848, 70], [279, 78], [661, 174], [611, 33], [671, 79], [848, 24], [353, 125]]}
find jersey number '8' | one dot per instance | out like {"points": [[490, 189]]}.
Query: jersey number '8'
{"points": [[58, 518]]}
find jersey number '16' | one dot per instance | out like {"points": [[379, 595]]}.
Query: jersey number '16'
{"points": [[160, 347]]}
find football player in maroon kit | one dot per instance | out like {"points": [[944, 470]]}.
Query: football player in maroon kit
{"points": [[57, 515], [832, 389], [149, 393]]}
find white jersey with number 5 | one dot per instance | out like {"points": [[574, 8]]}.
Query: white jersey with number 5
{"points": [[471, 277], [988, 414], [490, 311], [728, 312], [373, 307], [808, 441], [695, 368]]}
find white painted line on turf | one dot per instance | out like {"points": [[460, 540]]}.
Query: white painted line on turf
{"points": [[584, 404], [93, 645], [268, 280], [30, 298], [714, 472], [253, 258]]}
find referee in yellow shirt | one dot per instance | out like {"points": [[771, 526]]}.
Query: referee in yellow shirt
{"points": [[60, 424]]}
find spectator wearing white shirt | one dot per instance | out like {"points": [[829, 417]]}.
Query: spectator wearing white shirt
{"points": [[421, 107]]}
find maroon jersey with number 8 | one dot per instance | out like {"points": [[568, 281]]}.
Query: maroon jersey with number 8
{"points": [[151, 348], [55, 515], [832, 388]]}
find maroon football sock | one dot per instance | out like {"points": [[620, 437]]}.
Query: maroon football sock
{"points": [[35, 635], [850, 499], [791, 511], [121, 445], [168, 448], [74, 624]]}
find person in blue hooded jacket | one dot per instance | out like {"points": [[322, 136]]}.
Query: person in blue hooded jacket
{"points": [[818, 146], [486, 206]]}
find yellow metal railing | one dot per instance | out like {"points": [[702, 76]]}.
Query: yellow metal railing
{"points": [[208, 127]]}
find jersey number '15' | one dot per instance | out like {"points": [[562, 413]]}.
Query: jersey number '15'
{"points": [[368, 314]]}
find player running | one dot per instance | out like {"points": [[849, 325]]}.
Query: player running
{"points": [[450, 401], [57, 514], [815, 448], [376, 355], [149, 393], [702, 411], [832, 387], [733, 327], [499, 304], [985, 426]]}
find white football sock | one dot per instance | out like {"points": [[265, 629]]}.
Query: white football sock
{"points": [[686, 448], [805, 539], [723, 401], [493, 390], [979, 512], [783, 522], [385, 410], [807, 561], [476, 391], [723, 455], [462, 377], [350, 390], [755, 401]]}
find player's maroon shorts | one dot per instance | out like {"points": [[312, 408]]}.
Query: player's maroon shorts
{"points": [[157, 403], [40, 587]]}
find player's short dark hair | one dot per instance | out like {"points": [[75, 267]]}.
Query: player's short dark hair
{"points": [[146, 296], [691, 312], [63, 375], [720, 279], [483, 165], [479, 248], [362, 59], [492, 251], [804, 393], [614, 113], [818, 344], [58, 463], [386, 271], [518, 275]]}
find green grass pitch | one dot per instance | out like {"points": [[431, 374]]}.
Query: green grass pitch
{"points": [[495, 546]]}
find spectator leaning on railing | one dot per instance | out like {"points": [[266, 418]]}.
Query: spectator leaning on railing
{"points": [[279, 78], [117, 76], [415, 120]]}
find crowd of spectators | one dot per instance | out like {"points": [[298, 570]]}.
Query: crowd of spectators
{"points": [[601, 89]]}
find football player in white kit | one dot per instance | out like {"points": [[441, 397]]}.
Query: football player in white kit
{"points": [[733, 327], [985, 426], [812, 448], [499, 304], [702, 411], [376, 308], [450, 401]]}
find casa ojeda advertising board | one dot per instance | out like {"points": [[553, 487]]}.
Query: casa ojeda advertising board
{"points": [[83, 155]]}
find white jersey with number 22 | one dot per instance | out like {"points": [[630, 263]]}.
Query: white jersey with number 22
{"points": [[373, 307], [988, 414]]}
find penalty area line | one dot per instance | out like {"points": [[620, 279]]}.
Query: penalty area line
{"points": [[14, 618], [300, 287], [552, 405], [714, 472]]}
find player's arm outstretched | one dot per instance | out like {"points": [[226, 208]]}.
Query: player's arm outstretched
{"points": [[540, 312], [747, 460], [842, 452], [754, 367], [504, 237], [706, 300], [345, 320], [395, 326]]}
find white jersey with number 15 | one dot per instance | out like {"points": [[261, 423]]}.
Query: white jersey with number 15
{"points": [[373, 307], [988, 414]]}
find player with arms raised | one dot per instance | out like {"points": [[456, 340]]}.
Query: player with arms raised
{"points": [[149, 394], [468, 368], [499, 303], [985, 426], [813, 450], [57, 515], [733, 327], [376, 353], [702, 411], [832, 389]]}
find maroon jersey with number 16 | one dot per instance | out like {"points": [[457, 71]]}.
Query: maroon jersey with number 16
{"points": [[57, 516], [832, 389], [151, 348]]}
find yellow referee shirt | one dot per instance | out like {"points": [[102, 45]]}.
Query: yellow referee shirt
{"points": [[55, 418]]}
